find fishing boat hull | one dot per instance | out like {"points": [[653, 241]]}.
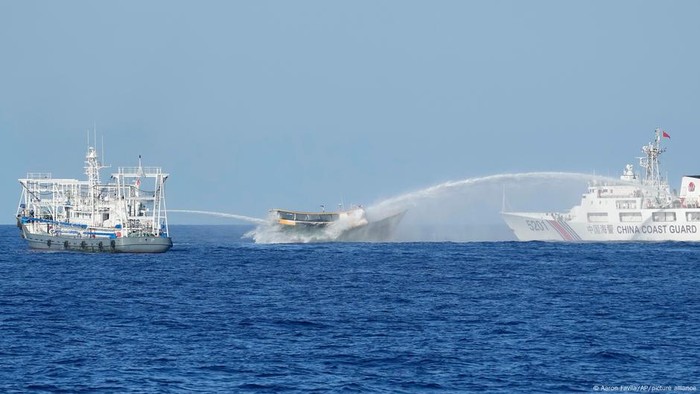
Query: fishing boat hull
{"points": [[141, 244]]}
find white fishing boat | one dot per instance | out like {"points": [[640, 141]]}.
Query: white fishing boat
{"points": [[635, 208], [127, 214]]}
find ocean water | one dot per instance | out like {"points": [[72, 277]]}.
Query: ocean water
{"points": [[221, 314]]}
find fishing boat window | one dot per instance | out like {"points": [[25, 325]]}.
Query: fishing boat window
{"points": [[315, 218], [664, 216], [328, 217], [692, 216], [626, 204], [598, 217], [631, 217], [286, 215]]}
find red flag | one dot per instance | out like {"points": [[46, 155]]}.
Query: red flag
{"points": [[665, 135]]}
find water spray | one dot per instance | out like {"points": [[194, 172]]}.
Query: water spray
{"points": [[267, 231], [222, 214], [412, 198]]}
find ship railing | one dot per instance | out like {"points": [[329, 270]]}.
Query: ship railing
{"points": [[38, 175], [559, 216], [52, 181], [618, 195], [139, 171], [47, 191], [53, 222], [136, 226], [149, 196]]}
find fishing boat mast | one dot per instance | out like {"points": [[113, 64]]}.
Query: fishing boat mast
{"points": [[145, 209], [92, 170]]}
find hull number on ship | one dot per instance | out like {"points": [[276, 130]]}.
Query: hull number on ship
{"points": [[537, 225]]}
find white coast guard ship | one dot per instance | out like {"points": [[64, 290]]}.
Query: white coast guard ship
{"points": [[126, 215], [635, 208]]}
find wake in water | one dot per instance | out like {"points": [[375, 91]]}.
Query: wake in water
{"points": [[442, 212]]}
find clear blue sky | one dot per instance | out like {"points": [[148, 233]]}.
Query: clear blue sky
{"points": [[260, 104]]}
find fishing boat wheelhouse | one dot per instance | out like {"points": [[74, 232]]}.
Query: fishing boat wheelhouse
{"points": [[317, 219]]}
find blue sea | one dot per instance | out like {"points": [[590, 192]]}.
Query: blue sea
{"points": [[221, 314]]}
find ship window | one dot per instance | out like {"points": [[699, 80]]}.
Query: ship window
{"points": [[664, 216], [327, 217], [692, 216], [598, 217], [286, 215], [631, 217], [626, 204]]}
